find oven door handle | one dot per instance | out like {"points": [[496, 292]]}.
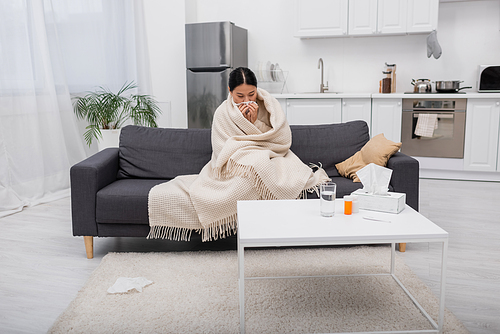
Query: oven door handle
{"points": [[433, 110], [438, 115]]}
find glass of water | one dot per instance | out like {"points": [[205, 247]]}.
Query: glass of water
{"points": [[327, 192]]}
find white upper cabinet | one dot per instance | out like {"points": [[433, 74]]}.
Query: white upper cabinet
{"points": [[362, 17], [321, 18], [336, 18], [368, 17], [392, 16], [422, 16]]}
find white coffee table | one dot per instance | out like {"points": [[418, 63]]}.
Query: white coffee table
{"points": [[298, 223]]}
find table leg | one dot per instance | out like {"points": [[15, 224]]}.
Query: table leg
{"points": [[393, 257], [443, 284], [241, 284], [402, 247]]}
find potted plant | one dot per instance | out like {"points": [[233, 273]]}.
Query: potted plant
{"points": [[106, 112]]}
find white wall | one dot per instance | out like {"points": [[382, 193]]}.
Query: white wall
{"points": [[468, 33], [165, 29]]}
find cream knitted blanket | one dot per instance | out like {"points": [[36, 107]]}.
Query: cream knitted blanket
{"points": [[249, 162]]}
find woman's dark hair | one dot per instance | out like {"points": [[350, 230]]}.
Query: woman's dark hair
{"points": [[240, 76]]}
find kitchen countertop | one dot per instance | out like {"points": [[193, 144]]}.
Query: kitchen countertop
{"points": [[322, 95], [467, 95]]}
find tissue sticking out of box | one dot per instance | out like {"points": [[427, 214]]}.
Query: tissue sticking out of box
{"points": [[375, 195], [375, 179]]}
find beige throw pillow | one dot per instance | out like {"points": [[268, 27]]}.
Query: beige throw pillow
{"points": [[378, 150]]}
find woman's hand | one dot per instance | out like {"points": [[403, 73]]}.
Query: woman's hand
{"points": [[250, 111]]}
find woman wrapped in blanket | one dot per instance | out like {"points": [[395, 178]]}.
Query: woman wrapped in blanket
{"points": [[243, 89], [251, 160]]}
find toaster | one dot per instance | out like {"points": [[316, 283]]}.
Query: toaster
{"points": [[489, 79]]}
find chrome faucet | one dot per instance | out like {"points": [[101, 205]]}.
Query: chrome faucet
{"points": [[322, 87]]}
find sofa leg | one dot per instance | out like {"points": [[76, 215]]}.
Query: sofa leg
{"points": [[402, 247], [89, 246]]}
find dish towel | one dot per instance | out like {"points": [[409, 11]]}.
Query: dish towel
{"points": [[249, 162], [426, 125]]}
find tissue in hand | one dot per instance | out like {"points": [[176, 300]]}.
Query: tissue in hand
{"points": [[375, 194]]}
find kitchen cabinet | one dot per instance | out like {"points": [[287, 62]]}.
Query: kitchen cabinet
{"points": [[383, 113], [422, 16], [368, 17], [340, 18], [481, 151], [282, 104], [357, 109], [321, 18], [386, 118], [313, 111], [392, 16], [362, 17]]}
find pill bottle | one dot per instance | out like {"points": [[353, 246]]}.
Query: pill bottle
{"points": [[347, 205], [355, 204]]}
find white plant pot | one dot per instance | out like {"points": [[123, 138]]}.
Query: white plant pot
{"points": [[110, 138]]}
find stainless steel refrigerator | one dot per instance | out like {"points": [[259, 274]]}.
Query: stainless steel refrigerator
{"points": [[213, 50]]}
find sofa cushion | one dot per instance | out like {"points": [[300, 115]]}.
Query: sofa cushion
{"points": [[125, 201], [162, 153], [329, 143], [378, 150]]}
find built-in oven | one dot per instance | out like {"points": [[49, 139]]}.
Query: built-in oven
{"points": [[433, 127]]}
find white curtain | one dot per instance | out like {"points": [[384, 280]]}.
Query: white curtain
{"points": [[102, 42], [49, 49]]}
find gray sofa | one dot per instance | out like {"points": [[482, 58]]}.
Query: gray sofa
{"points": [[109, 190]]}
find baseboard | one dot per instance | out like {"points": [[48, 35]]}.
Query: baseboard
{"points": [[459, 175]]}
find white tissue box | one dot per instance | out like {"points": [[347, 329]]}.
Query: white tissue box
{"points": [[391, 202]]}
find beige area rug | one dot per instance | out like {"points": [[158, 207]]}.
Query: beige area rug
{"points": [[197, 292]]}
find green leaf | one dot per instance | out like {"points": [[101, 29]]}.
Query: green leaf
{"points": [[103, 109]]}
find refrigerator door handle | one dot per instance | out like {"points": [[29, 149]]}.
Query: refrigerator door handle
{"points": [[208, 69]]}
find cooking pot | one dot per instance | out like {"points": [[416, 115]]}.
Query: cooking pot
{"points": [[450, 86], [421, 85]]}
